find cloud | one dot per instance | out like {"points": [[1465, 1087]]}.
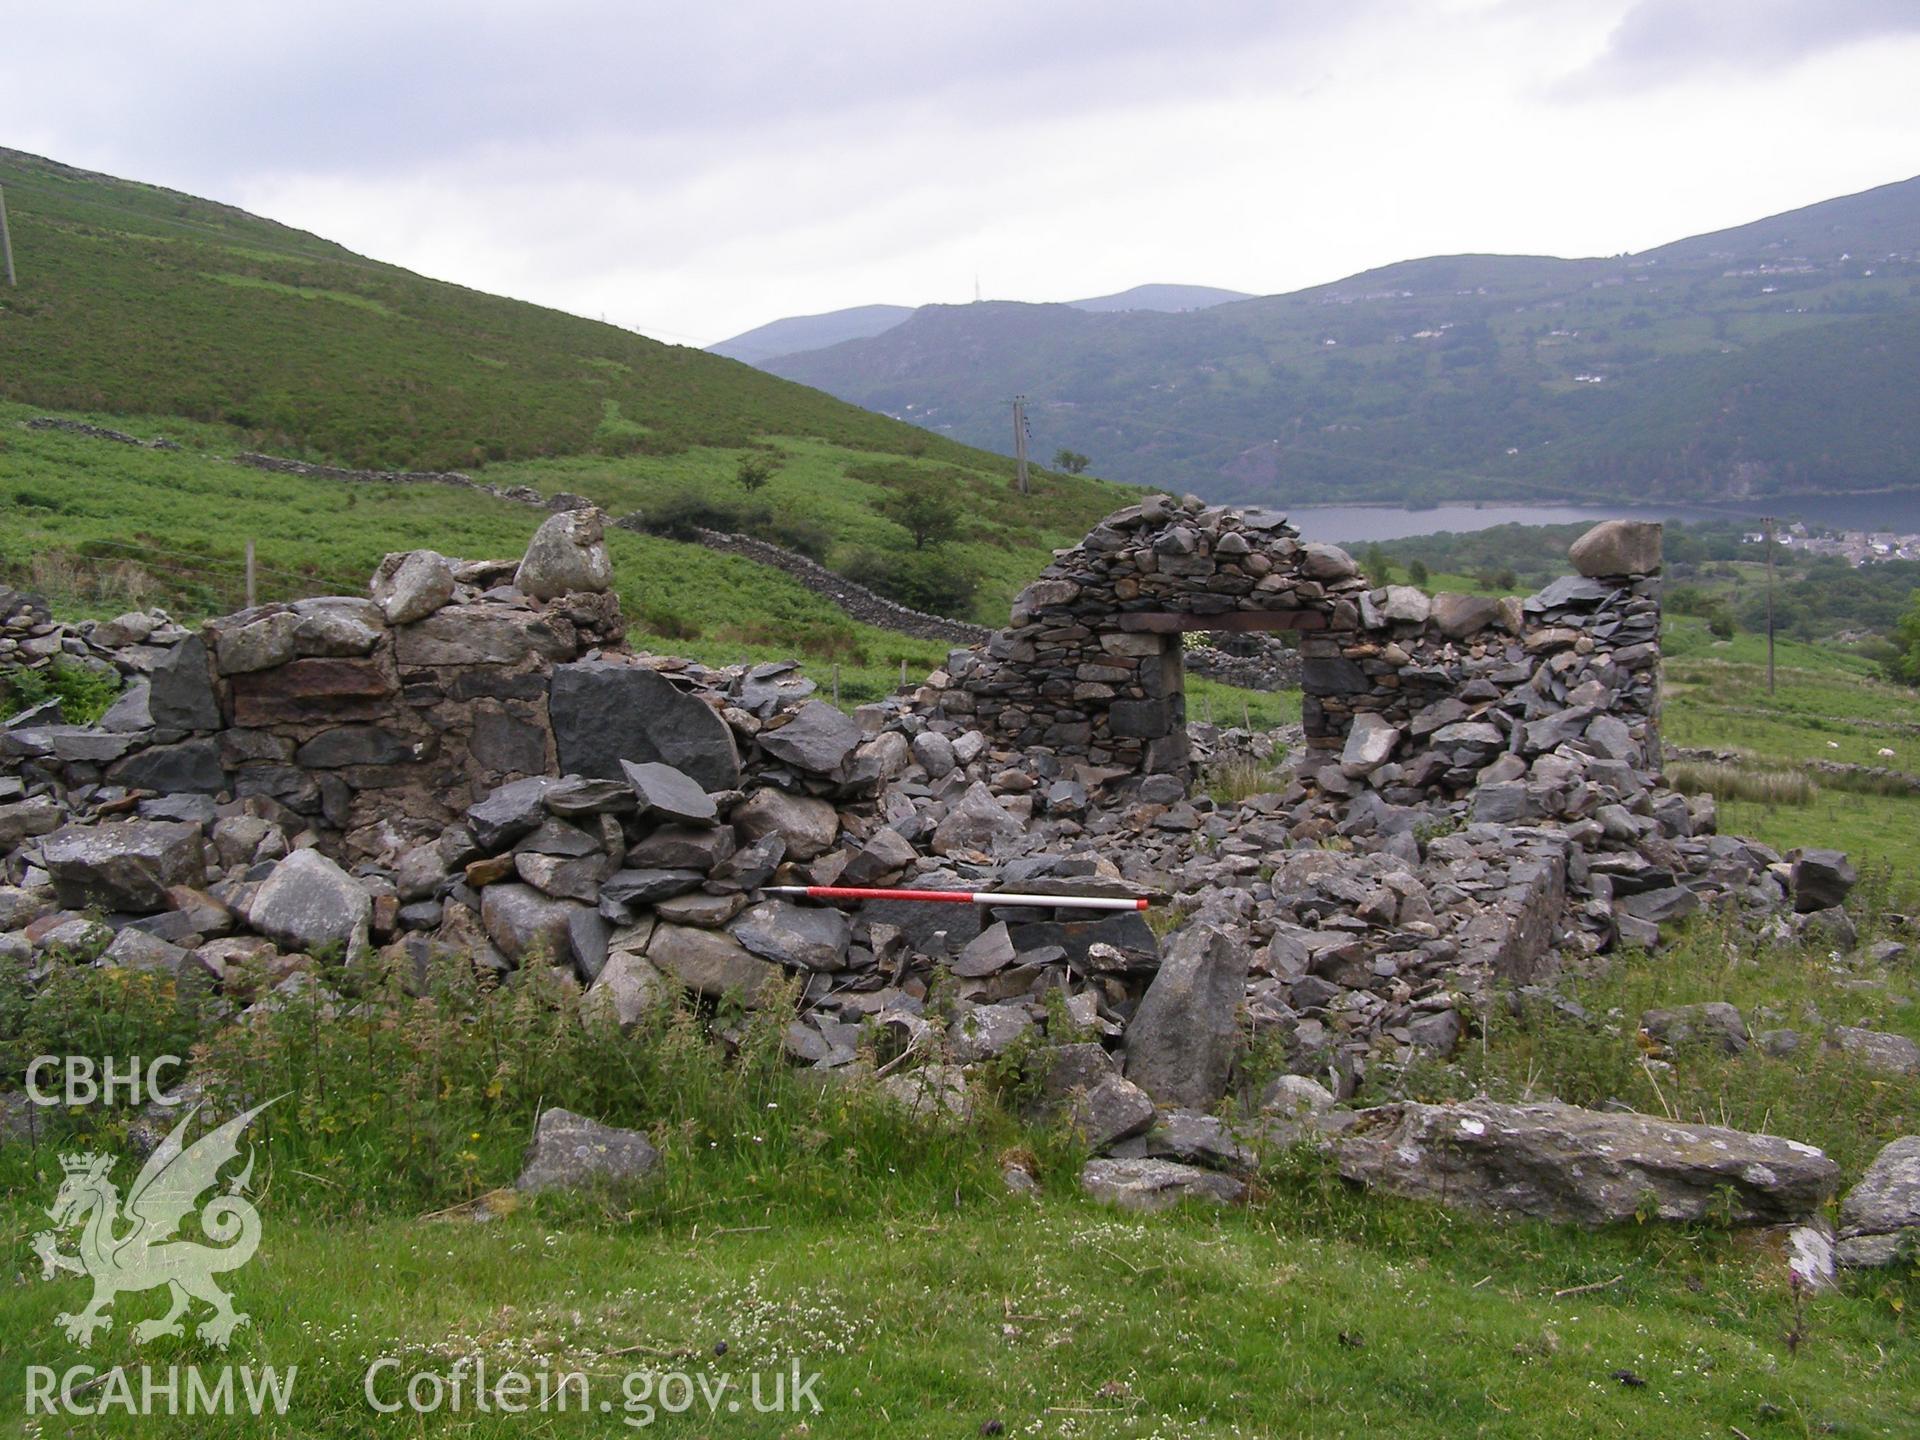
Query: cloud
{"points": [[1663, 42], [692, 170], [227, 88]]}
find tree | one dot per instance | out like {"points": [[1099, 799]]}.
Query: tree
{"points": [[1906, 639], [755, 471], [937, 582], [1378, 567], [925, 508], [1071, 461], [1417, 573]]}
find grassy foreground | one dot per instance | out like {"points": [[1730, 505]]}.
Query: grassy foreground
{"points": [[823, 1225], [1049, 1318]]}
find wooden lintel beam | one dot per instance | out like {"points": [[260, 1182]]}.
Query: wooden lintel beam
{"points": [[1163, 622]]}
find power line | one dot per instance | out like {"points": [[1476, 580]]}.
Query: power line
{"points": [[6, 240], [1020, 440]]}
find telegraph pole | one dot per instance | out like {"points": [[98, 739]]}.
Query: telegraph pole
{"points": [[1020, 439], [1769, 524], [6, 241]]}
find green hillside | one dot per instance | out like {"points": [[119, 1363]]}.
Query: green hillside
{"points": [[149, 310], [1772, 359]]}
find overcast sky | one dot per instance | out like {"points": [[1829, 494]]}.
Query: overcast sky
{"points": [[693, 170]]}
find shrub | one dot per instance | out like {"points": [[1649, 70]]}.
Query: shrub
{"points": [[931, 580], [658, 620], [923, 506], [755, 470], [679, 515], [84, 694]]}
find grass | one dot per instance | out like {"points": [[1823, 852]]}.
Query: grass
{"points": [[1053, 1319], [1828, 704], [796, 1221], [1732, 782], [1815, 1095], [101, 528], [255, 336], [1243, 777], [1214, 703], [1007, 538]]}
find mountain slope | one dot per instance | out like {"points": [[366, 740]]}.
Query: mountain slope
{"points": [[1669, 373], [810, 332], [1162, 297], [799, 333], [161, 314], [138, 300]]}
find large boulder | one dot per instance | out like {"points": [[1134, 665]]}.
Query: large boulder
{"points": [[712, 964], [525, 923], [570, 1151], [126, 866], [818, 738], [181, 694], [975, 823], [412, 584], [505, 814], [1457, 616], [1181, 1044], [1586, 1167], [1080, 1084], [1618, 547], [1369, 743], [1150, 1185], [803, 936], [1822, 879], [604, 713], [627, 987], [1877, 1050], [808, 826], [663, 792], [24, 819], [309, 903], [567, 553], [187, 768], [1880, 1217]]}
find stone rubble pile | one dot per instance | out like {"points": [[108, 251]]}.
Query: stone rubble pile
{"points": [[467, 765], [31, 639]]}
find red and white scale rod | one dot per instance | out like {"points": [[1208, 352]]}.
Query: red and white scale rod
{"points": [[959, 897]]}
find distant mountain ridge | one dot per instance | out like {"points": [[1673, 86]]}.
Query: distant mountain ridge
{"points": [[1773, 358], [799, 333]]}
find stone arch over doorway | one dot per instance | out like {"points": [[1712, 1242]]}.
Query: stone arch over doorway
{"points": [[1090, 662], [1403, 692]]}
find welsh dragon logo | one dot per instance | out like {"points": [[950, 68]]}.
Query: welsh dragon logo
{"points": [[150, 1254]]}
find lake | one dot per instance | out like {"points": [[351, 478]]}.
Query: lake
{"points": [[1361, 524]]}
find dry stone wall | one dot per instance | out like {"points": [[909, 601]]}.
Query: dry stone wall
{"points": [[1405, 693], [455, 772], [368, 718]]}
